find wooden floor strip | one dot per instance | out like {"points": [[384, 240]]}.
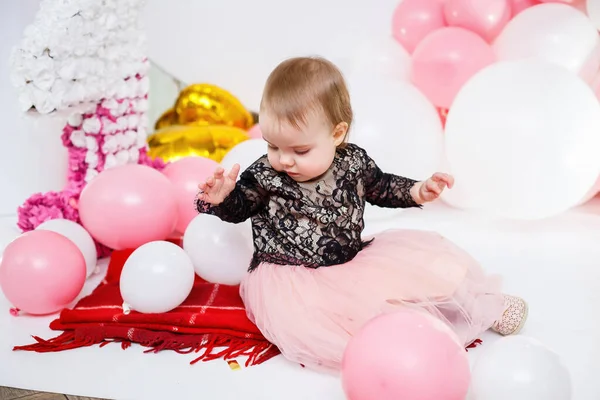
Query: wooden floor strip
{"points": [[8, 393]]}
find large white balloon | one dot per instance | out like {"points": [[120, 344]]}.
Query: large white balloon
{"points": [[78, 235], [220, 251], [457, 196], [398, 127], [553, 32], [157, 277], [245, 154], [522, 139], [519, 368]]}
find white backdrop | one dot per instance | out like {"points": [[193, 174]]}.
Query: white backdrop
{"points": [[236, 44]]}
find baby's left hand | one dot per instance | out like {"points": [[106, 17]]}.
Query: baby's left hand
{"points": [[433, 187]]}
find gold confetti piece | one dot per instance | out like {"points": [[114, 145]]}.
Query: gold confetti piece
{"points": [[234, 365]]}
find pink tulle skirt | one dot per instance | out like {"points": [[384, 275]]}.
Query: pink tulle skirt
{"points": [[311, 314]]}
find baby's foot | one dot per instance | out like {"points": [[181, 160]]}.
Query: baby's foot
{"points": [[513, 318]]}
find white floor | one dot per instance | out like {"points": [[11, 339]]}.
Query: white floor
{"points": [[554, 264]]}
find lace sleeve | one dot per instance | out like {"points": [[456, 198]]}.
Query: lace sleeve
{"points": [[247, 199], [387, 190]]}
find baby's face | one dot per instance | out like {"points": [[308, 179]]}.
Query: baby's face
{"points": [[305, 153]]}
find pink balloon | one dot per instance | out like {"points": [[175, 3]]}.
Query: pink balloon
{"points": [[519, 5], [185, 175], [560, 1], [255, 132], [41, 272], [484, 17], [405, 355], [127, 206], [445, 60], [415, 19]]}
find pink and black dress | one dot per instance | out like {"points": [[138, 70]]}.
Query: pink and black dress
{"points": [[314, 281]]}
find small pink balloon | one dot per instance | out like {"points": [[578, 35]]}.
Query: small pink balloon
{"points": [[185, 175], [445, 60], [414, 19], [519, 5], [255, 132], [484, 17], [41, 272], [405, 355], [129, 205]]}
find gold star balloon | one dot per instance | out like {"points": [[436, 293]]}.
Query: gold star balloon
{"points": [[205, 104], [168, 118], [178, 141]]}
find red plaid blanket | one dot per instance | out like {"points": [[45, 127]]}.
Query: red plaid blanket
{"points": [[212, 320]]}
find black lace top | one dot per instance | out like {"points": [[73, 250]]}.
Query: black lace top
{"points": [[317, 223]]}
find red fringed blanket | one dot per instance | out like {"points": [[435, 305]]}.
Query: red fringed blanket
{"points": [[212, 321]]}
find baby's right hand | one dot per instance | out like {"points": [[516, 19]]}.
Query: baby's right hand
{"points": [[217, 187]]}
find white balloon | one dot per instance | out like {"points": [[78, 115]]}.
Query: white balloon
{"points": [[522, 139], [157, 277], [398, 127], [456, 197], [556, 33], [220, 251], [520, 368], [78, 235], [245, 154]]}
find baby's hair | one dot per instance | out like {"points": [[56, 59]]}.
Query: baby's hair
{"points": [[301, 85]]}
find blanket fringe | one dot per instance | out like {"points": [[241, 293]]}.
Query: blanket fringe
{"points": [[65, 341], [474, 344], [211, 347]]}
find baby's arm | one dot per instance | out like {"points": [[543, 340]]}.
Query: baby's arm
{"points": [[244, 201], [389, 190]]}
